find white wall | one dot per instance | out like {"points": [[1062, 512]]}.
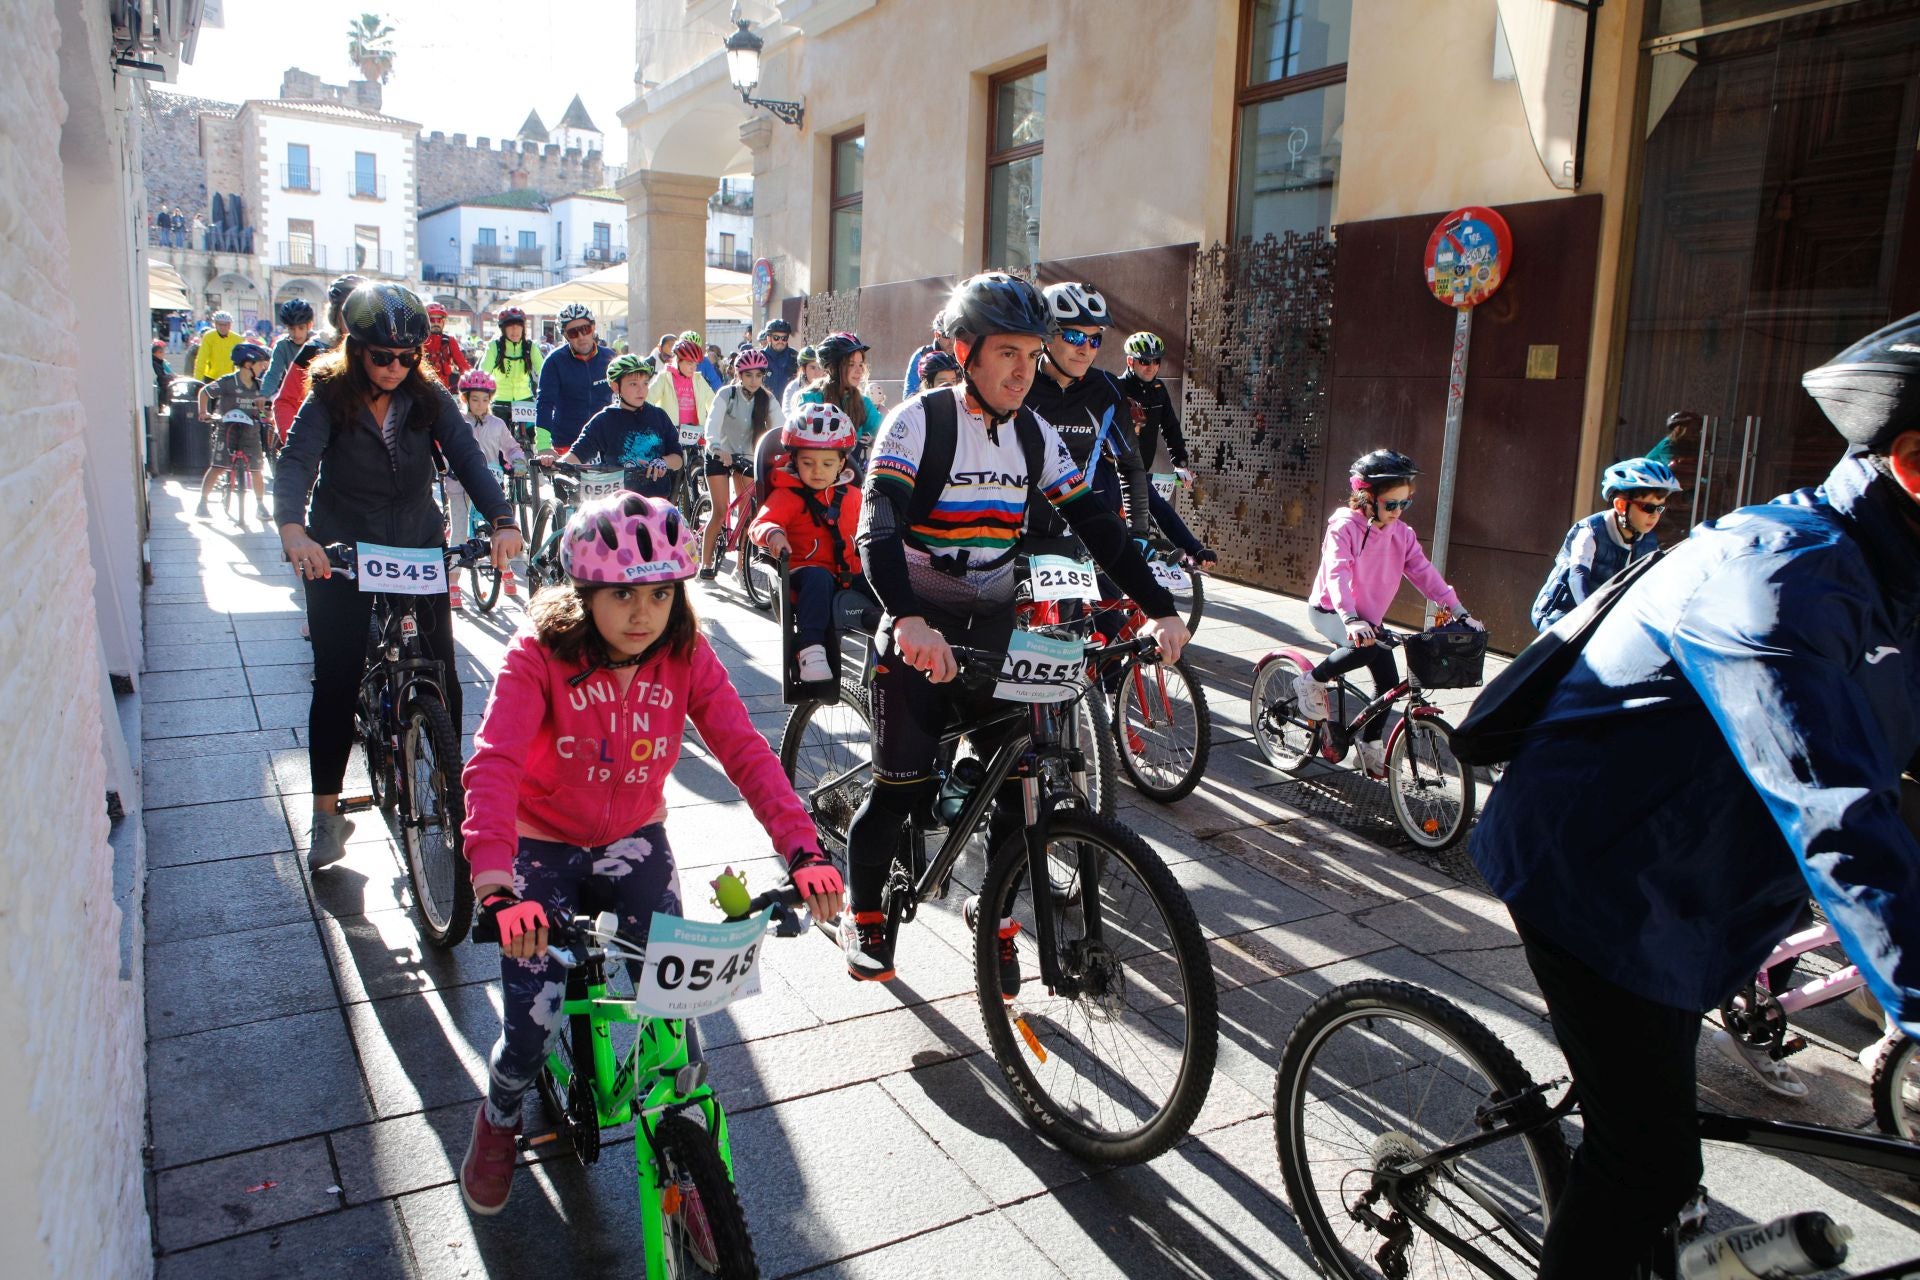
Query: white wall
{"points": [[463, 222], [334, 210], [573, 218], [71, 1201], [734, 222]]}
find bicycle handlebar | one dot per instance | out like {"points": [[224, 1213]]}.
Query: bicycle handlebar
{"points": [[345, 556], [567, 932]]}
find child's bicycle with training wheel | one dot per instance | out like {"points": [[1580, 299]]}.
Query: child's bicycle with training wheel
{"points": [[1431, 790], [691, 1222], [1414, 1144]]}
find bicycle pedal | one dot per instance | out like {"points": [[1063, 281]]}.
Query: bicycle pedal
{"points": [[354, 804], [1790, 1046], [524, 1142]]}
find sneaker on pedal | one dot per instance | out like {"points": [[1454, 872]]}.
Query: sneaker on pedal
{"points": [[486, 1175], [1009, 953], [1373, 759], [863, 936], [813, 664], [1312, 697], [693, 1218], [1773, 1072], [706, 573], [329, 843]]}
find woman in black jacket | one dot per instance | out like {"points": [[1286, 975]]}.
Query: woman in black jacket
{"points": [[362, 446]]}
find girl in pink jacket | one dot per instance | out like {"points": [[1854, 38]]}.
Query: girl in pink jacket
{"points": [[565, 791], [1369, 549]]}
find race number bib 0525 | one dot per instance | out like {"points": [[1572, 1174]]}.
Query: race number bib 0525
{"points": [[523, 413], [1031, 658], [1063, 578], [691, 435], [405, 571], [595, 485], [695, 968], [1171, 576]]}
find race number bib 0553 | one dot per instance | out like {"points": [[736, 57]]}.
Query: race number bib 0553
{"points": [[1032, 658], [1063, 578], [405, 571], [695, 968], [691, 435], [523, 413], [595, 485], [1171, 576]]}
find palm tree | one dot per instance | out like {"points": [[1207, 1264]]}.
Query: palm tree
{"points": [[370, 46]]}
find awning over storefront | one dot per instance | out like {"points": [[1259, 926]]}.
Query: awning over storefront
{"points": [[166, 291]]}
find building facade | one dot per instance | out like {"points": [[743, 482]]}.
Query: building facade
{"points": [[1706, 197]]}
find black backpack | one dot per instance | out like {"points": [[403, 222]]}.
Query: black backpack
{"points": [[936, 464]]}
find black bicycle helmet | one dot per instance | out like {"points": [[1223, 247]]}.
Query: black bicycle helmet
{"points": [[1382, 465], [836, 347], [249, 353], [385, 315], [934, 363], [994, 302], [776, 326], [1871, 391], [342, 286], [1077, 304], [313, 347], [295, 311]]}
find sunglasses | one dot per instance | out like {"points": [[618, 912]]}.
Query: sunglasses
{"points": [[1401, 505], [580, 332], [1155, 362], [382, 358], [1075, 338], [1652, 508]]}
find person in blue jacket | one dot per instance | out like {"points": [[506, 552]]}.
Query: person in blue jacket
{"points": [[573, 382], [1774, 659], [941, 342], [1607, 541], [706, 368], [783, 362]]}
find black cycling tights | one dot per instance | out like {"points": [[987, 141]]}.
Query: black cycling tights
{"points": [[1378, 660]]}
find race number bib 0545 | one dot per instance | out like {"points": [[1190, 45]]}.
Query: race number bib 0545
{"points": [[1063, 578], [691, 435], [1031, 658], [523, 413], [595, 485], [1172, 577], [405, 571], [695, 968]]}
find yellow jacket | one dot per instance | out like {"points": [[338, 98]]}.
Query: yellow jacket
{"points": [[216, 354]]}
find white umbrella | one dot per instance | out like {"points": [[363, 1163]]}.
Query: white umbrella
{"points": [[729, 295]]}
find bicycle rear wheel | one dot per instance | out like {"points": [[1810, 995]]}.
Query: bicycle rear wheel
{"points": [[1197, 607], [1162, 729], [430, 817], [759, 578], [826, 750], [1896, 1088], [1115, 1061], [686, 1158], [485, 580], [1432, 791], [1282, 732], [1377, 1074]]}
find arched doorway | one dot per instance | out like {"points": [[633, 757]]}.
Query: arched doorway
{"points": [[232, 292], [308, 290]]}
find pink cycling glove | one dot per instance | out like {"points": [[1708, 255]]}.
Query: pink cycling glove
{"points": [[520, 918], [814, 876]]}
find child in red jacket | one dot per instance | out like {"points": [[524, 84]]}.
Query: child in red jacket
{"points": [[565, 790], [812, 515]]}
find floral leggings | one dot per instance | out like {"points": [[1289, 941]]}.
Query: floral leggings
{"points": [[633, 877]]}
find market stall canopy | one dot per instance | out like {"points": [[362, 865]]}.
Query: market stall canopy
{"points": [[729, 295], [166, 291]]}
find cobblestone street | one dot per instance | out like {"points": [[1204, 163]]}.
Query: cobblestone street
{"points": [[313, 1069]]}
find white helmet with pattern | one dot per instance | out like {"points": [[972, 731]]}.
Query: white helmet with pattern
{"points": [[1077, 303], [819, 426]]}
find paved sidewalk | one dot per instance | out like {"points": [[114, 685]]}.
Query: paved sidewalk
{"points": [[313, 1070]]}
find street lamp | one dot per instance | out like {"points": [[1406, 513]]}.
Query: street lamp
{"points": [[743, 69]]}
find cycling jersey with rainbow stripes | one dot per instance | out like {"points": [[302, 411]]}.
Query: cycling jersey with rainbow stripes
{"points": [[983, 505]]}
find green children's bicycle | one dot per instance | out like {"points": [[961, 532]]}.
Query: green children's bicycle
{"points": [[691, 1220]]}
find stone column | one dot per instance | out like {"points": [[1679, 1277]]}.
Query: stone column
{"points": [[757, 135], [666, 253]]}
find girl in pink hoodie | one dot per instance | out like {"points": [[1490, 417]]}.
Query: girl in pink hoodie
{"points": [[1369, 549], [565, 791]]}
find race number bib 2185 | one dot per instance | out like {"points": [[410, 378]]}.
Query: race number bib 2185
{"points": [[1063, 578], [404, 571]]}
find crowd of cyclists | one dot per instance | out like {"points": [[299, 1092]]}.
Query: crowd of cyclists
{"points": [[1772, 654]]}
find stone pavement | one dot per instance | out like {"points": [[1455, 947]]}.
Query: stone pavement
{"points": [[313, 1070]]}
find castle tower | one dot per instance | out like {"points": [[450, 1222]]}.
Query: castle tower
{"points": [[576, 130]]}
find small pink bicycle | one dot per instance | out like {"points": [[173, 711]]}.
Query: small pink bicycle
{"points": [[1757, 1017]]}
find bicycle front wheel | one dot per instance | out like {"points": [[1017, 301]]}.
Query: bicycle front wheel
{"points": [[1113, 1061], [759, 578], [1093, 734], [486, 584], [1162, 728], [1375, 1076], [704, 1228], [1896, 1088], [1196, 607], [1280, 729], [826, 750], [430, 821], [1432, 791]]}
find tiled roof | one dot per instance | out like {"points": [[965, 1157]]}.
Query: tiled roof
{"points": [[519, 198], [577, 118], [334, 111], [596, 193], [533, 130]]}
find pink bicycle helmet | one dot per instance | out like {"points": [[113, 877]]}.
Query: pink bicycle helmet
{"points": [[749, 360], [477, 380], [819, 426], [626, 540]]}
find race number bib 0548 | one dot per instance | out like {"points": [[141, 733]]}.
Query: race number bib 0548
{"points": [[1063, 578], [1171, 576], [595, 485], [695, 968], [523, 413], [405, 571], [690, 435], [1035, 658]]}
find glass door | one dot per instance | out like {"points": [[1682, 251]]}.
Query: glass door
{"points": [[1774, 230]]}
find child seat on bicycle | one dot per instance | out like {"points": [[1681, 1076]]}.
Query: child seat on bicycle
{"points": [[813, 514]]}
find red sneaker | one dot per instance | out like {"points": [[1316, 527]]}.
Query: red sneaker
{"points": [[486, 1175], [453, 595], [507, 584]]}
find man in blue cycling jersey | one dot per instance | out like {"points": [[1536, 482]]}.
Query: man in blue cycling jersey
{"points": [[573, 381], [1774, 657]]}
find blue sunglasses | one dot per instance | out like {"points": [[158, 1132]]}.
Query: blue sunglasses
{"points": [[1401, 505], [1075, 338]]}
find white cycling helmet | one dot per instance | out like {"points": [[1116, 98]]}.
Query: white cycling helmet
{"points": [[819, 426], [237, 418], [223, 316], [1076, 303]]}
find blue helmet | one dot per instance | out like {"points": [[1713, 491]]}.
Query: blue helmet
{"points": [[250, 353], [1635, 475]]}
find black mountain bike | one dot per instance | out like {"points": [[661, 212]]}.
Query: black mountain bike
{"points": [[572, 487], [413, 750], [1109, 1043]]}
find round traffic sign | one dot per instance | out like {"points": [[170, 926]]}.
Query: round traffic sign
{"points": [[763, 283], [1468, 256]]}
